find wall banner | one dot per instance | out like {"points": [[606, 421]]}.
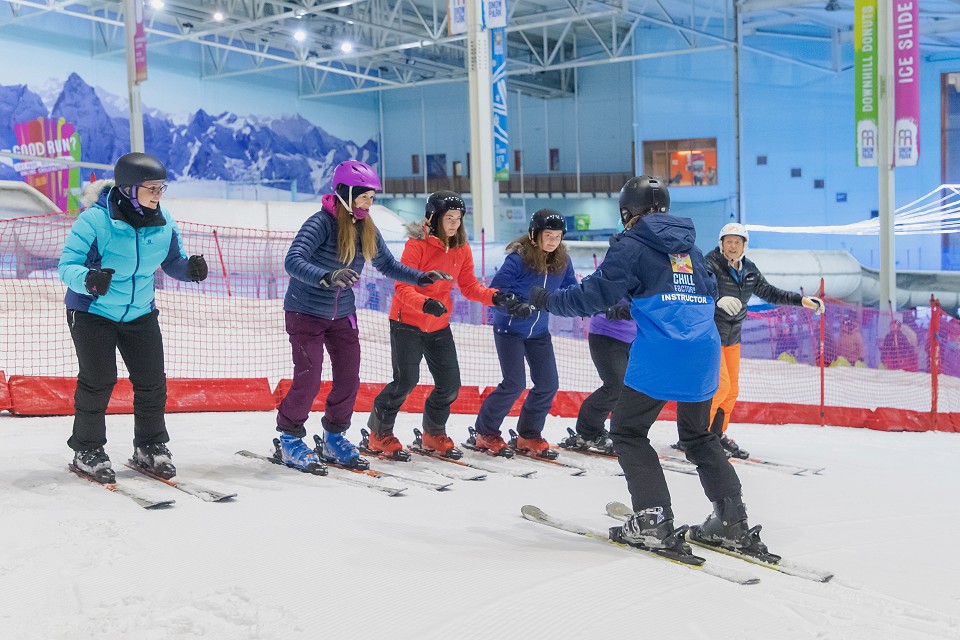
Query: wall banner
{"points": [[457, 17], [495, 14], [865, 79], [51, 139], [501, 140], [906, 82], [140, 43]]}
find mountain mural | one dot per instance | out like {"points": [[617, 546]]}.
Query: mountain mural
{"points": [[225, 146]]}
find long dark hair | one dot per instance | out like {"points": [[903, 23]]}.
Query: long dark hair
{"points": [[538, 260]]}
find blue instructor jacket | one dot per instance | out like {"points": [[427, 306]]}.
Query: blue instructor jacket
{"points": [[676, 354]]}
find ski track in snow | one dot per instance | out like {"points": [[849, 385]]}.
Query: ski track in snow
{"points": [[297, 555]]}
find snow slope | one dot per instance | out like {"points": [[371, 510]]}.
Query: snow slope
{"points": [[300, 556]]}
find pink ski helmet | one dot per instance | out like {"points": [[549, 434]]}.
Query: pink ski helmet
{"points": [[350, 179]]}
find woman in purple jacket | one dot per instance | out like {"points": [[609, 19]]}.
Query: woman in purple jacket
{"points": [[324, 262]]}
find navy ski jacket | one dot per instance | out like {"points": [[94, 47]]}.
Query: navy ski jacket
{"points": [[517, 278], [676, 354]]}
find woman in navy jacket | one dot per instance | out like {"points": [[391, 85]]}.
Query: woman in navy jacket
{"points": [[324, 262], [536, 259]]}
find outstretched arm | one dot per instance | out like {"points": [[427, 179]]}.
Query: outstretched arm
{"points": [[601, 289]]}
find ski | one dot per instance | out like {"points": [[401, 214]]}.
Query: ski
{"points": [[781, 467], [324, 471], [620, 511], [408, 476], [207, 495], [576, 470], [136, 496], [535, 514], [668, 465]]}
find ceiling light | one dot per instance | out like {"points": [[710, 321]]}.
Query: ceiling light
{"points": [[156, 4], [299, 13], [346, 47], [218, 17], [299, 35]]}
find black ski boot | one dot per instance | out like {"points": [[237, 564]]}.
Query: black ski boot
{"points": [[156, 459], [732, 449], [727, 527], [96, 464], [653, 529], [600, 443]]}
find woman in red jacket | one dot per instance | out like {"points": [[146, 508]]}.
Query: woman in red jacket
{"points": [[420, 326]]}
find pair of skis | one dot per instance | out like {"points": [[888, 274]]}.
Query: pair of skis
{"points": [[148, 502], [621, 512]]}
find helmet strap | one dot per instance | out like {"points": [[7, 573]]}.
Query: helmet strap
{"points": [[130, 193]]}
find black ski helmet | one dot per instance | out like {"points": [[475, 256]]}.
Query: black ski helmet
{"points": [[550, 219], [438, 204], [137, 168], [643, 195]]}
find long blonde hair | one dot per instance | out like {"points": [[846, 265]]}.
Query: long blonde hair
{"points": [[347, 236]]}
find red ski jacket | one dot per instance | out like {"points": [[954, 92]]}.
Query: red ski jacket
{"points": [[428, 252]]}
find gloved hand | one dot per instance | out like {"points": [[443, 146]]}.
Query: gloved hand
{"points": [[619, 312], [814, 303], [430, 277], [97, 282], [730, 304], [434, 307], [520, 310], [503, 299], [538, 297], [340, 278], [197, 268]]}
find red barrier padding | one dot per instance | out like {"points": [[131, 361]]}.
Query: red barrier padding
{"points": [[50, 396], [5, 402]]}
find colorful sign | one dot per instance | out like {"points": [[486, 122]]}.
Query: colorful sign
{"points": [[865, 73], [139, 43], [501, 140], [906, 82], [49, 139]]}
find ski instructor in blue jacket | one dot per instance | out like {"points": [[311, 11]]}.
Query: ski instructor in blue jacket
{"points": [[108, 264], [675, 356]]}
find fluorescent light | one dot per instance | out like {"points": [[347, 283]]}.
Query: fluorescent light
{"points": [[299, 35], [346, 47], [218, 17]]}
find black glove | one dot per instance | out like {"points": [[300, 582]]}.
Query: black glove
{"points": [[619, 312], [97, 282], [538, 298], [434, 307], [340, 278], [430, 277], [197, 268], [520, 310], [503, 299]]}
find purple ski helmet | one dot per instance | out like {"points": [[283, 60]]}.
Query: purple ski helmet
{"points": [[350, 179]]}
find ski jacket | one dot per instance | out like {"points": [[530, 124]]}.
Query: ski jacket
{"points": [[101, 238], [622, 330], [676, 354], [427, 252], [515, 276], [313, 254], [741, 285]]}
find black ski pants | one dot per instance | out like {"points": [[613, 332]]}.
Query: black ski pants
{"points": [[97, 340], [408, 346], [610, 357], [632, 418]]}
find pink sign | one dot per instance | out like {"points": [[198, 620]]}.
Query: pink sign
{"points": [[906, 82], [51, 139], [140, 43]]}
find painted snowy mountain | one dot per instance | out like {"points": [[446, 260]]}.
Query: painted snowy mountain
{"points": [[207, 147]]}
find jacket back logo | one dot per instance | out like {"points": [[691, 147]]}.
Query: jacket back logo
{"points": [[681, 263]]}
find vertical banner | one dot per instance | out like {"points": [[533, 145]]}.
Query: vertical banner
{"points": [[501, 139], [140, 43], [50, 139], [865, 78], [457, 17], [906, 82]]}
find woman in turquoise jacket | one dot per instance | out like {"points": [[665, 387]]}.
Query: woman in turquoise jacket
{"points": [[108, 264]]}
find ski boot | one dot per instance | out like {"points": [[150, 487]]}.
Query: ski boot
{"points": [[383, 445], [294, 452], [96, 464], [336, 449], [727, 527], [442, 444], [491, 445], [652, 529], [532, 447], [156, 459], [600, 443], [732, 449]]}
